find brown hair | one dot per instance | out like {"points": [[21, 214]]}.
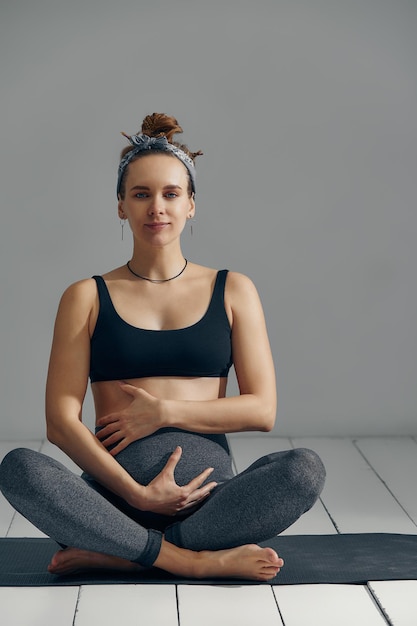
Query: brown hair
{"points": [[159, 125]]}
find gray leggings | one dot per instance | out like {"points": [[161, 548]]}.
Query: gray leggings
{"points": [[250, 507]]}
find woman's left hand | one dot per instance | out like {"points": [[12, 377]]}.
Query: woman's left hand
{"points": [[138, 420]]}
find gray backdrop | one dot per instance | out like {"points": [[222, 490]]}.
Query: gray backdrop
{"points": [[306, 113]]}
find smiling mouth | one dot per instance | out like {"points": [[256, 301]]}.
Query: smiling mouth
{"points": [[157, 225]]}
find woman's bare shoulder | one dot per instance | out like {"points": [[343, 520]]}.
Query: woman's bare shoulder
{"points": [[240, 286], [86, 288], [79, 303], [241, 297], [235, 279]]}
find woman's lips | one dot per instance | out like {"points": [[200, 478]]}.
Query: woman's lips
{"points": [[156, 226]]}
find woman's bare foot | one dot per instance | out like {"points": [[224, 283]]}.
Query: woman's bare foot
{"points": [[72, 559], [249, 561]]}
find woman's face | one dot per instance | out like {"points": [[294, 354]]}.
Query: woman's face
{"points": [[156, 201]]}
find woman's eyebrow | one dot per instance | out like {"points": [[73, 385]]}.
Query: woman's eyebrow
{"points": [[147, 188]]}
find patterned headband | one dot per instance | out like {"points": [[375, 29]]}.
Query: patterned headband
{"points": [[144, 143]]}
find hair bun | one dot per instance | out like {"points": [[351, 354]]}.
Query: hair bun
{"points": [[159, 124]]}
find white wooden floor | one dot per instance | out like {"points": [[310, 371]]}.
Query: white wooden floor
{"points": [[371, 487]]}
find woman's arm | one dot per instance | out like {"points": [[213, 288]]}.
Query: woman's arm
{"points": [[253, 409], [65, 392], [66, 387]]}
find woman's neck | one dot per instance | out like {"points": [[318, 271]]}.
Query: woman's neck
{"points": [[157, 264]]}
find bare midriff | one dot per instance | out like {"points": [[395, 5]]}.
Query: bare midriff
{"points": [[109, 397]]}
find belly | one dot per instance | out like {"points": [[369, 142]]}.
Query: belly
{"points": [[108, 397], [144, 459]]}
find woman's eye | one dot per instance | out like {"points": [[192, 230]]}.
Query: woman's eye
{"points": [[140, 195], [171, 194]]}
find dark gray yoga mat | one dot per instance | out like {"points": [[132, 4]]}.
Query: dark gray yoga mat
{"points": [[351, 558]]}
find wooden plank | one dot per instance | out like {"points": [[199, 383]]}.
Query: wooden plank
{"points": [[21, 527], [353, 494], [314, 522], [394, 459], [150, 605], [7, 512], [229, 605], [398, 599], [327, 605], [246, 450], [38, 606]]}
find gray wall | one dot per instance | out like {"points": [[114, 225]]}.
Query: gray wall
{"points": [[306, 113]]}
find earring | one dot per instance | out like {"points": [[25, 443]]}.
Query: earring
{"points": [[122, 224], [191, 224]]}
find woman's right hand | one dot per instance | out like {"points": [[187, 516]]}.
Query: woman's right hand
{"points": [[163, 495]]}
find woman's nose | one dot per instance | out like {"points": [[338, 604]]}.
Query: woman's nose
{"points": [[156, 206]]}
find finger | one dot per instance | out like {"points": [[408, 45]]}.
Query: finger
{"points": [[196, 482], [189, 499], [112, 440], [203, 492], [192, 503], [107, 419], [172, 462], [131, 390], [108, 430], [120, 446]]}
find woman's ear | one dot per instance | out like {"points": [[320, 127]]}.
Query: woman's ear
{"points": [[120, 211], [191, 212]]}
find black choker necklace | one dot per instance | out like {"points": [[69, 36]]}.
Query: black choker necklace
{"points": [[156, 280]]}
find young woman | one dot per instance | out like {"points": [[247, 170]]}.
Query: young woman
{"points": [[157, 337]]}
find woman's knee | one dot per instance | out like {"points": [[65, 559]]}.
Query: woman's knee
{"points": [[13, 464], [307, 470], [21, 468]]}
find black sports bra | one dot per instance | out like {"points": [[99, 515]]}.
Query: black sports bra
{"points": [[121, 351]]}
